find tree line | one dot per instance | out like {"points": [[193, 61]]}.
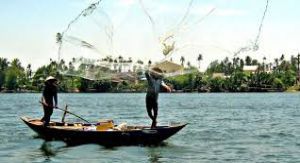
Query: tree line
{"points": [[279, 75]]}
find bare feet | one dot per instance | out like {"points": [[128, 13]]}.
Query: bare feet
{"points": [[153, 124]]}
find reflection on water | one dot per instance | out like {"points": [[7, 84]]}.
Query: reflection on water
{"points": [[47, 149], [154, 155]]}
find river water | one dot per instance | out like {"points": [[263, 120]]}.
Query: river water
{"points": [[233, 127]]}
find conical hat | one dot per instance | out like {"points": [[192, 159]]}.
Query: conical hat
{"points": [[50, 78], [156, 72]]}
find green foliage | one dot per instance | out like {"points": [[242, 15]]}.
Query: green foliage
{"points": [[216, 84], [2, 79], [283, 75], [214, 67], [181, 82], [199, 82], [3, 67], [14, 75], [11, 79], [102, 86], [139, 87], [83, 85], [237, 82], [289, 78], [277, 83]]}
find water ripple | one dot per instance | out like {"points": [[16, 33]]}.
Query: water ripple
{"points": [[239, 127]]}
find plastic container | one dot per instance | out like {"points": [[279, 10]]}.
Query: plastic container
{"points": [[104, 125]]}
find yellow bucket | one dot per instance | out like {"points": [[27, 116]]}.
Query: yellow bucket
{"points": [[104, 125]]}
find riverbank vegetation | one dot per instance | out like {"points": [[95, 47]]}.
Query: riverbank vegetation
{"points": [[221, 76]]}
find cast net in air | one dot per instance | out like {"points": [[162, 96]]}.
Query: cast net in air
{"points": [[88, 43]]}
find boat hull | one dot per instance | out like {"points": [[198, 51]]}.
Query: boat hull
{"points": [[143, 136]]}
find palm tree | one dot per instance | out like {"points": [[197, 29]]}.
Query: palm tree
{"points": [[17, 64], [3, 64], [189, 64], [120, 59], [298, 66], [248, 60], [115, 64], [282, 57], [199, 59], [267, 67], [298, 62], [270, 66], [3, 67], [182, 60], [264, 60], [61, 65], [129, 60], [149, 63], [71, 67], [120, 63], [235, 62], [276, 63], [140, 62], [242, 63], [59, 38], [254, 62], [228, 69], [28, 71]]}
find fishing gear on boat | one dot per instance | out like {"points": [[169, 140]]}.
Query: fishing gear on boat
{"points": [[66, 111]]}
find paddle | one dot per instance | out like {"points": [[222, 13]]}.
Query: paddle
{"points": [[66, 111]]}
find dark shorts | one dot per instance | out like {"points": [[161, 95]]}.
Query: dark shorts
{"points": [[151, 103], [47, 114]]}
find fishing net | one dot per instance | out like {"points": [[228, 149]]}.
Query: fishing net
{"points": [[88, 43], [87, 46], [254, 45]]}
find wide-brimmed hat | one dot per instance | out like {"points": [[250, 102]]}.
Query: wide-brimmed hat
{"points": [[49, 78], [156, 72]]}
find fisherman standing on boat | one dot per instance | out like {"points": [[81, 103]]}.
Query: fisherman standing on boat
{"points": [[154, 77], [49, 94]]}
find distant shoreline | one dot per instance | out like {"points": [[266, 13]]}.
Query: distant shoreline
{"points": [[178, 91]]}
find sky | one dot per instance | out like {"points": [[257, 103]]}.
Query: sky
{"points": [[122, 27]]}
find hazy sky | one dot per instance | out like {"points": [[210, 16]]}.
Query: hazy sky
{"points": [[28, 29]]}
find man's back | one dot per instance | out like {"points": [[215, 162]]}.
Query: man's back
{"points": [[153, 85]]}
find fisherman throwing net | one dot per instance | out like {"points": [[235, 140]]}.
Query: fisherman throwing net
{"points": [[155, 81]]}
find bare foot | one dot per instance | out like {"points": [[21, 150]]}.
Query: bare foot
{"points": [[153, 124]]}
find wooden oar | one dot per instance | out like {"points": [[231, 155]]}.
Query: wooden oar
{"points": [[64, 115], [66, 111]]}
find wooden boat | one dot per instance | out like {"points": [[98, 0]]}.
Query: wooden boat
{"points": [[81, 133]]}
